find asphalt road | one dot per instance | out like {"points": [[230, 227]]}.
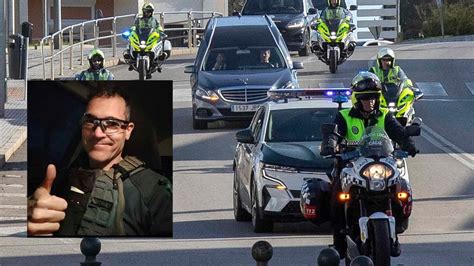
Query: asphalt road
{"points": [[442, 223]]}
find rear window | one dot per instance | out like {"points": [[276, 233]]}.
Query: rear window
{"points": [[298, 125], [258, 7]]}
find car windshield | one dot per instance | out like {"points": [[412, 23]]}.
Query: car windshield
{"points": [[298, 125], [375, 143], [260, 7], [243, 58]]}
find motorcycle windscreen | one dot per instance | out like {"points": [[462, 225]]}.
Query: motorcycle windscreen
{"points": [[144, 33], [375, 143], [391, 92], [333, 24]]}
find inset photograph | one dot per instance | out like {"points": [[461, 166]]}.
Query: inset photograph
{"points": [[100, 158]]}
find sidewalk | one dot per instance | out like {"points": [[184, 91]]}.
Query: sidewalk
{"points": [[13, 130]]}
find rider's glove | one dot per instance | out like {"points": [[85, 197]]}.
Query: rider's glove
{"points": [[328, 145], [410, 147]]}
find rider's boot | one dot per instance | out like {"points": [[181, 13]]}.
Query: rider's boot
{"points": [[396, 249]]}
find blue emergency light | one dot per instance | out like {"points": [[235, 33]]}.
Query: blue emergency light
{"points": [[126, 34]]}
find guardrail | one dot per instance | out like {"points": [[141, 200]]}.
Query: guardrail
{"points": [[190, 24]]}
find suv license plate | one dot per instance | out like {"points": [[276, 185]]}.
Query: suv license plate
{"points": [[244, 108]]}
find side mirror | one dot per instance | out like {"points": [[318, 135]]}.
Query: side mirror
{"points": [[245, 136], [352, 7], [312, 11], [352, 27], [297, 65], [189, 69]]}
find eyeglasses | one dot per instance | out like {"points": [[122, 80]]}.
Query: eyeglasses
{"points": [[108, 125]]}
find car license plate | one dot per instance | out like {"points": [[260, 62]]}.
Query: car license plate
{"points": [[244, 108]]}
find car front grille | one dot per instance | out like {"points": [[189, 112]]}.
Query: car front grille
{"points": [[244, 95]]}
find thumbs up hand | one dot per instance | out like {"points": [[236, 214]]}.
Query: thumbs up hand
{"points": [[44, 210]]}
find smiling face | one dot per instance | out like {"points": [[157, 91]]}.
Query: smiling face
{"points": [[105, 150]]}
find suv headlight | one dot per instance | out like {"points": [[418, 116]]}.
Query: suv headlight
{"points": [[295, 23], [267, 170], [207, 95]]}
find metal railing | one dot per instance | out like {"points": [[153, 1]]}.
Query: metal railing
{"points": [[188, 23]]}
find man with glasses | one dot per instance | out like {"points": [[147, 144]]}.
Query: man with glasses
{"points": [[110, 194], [96, 70]]}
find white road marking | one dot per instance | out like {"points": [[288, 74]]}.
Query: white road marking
{"points": [[8, 195], [443, 145], [432, 88], [11, 185], [12, 218], [12, 207], [470, 86]]}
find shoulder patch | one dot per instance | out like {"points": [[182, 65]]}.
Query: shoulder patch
{"points": [[355, 130]]}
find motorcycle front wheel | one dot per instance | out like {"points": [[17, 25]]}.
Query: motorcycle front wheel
{"points": [[380, 242], [141, 69], [332, 61]]}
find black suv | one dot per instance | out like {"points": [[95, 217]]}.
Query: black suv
{"points": [[240, 58], [292, 17]]}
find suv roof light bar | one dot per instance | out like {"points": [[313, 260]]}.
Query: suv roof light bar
{"points": [[338, 95]]}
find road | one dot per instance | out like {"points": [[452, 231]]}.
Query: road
{"points": [[442, 224]]}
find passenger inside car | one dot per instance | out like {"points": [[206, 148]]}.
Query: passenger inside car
{"points": [[220, 63]]}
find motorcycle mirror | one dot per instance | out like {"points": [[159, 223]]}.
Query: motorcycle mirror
{"points": [[418, 95], [417, 121], [297, 65], [312, 11], [352, 7]]}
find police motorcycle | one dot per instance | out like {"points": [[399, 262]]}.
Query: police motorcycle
{"points": [[148, 50], [399, 98], [376, 194], [331, 41]]}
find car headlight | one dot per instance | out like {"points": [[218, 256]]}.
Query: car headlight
{"points": [[377, 174], [207, 95], [295, 23], [267, 170]]}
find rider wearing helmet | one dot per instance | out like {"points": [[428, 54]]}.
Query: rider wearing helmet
{"points": [[366, 111], [387, 71], [147, 20], [336, 11], [96, 70]]}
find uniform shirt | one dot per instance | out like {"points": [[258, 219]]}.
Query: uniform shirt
{"points": [[102, 74]]}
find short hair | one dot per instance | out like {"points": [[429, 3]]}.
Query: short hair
{"points": [[108, 92]]}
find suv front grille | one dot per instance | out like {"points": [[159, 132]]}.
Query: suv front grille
{"points": [[244, 95]]}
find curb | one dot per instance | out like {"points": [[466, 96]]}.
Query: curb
{"points": [[16, 140]]}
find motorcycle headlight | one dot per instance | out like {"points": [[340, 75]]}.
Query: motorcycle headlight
{"points": [[333, 35], [207, 95], [296, 23], [377, 171]]}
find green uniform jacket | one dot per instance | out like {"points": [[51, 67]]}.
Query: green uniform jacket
{"points": [[148, 203]]}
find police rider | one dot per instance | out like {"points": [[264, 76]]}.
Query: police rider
{"points": [[388, 72], [96, 70], [146, 21], [336, 11], [366, 93]]}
